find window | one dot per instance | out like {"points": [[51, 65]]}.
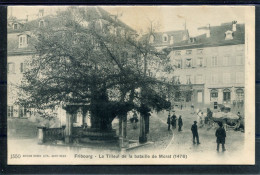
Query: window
{"points": [[214, 79], [214, 61], [15, 26], [188, 62], [226, 78], [11, 68], [226, 95], [150, 74], [177, 52], [22, 111], [239, 77], [228, 35], [151, 40], [225, 60], [179, 63], [240, 94], [239, 60], [41, 12], [188, 79], [165, 37], [199, 95], [199, 61], [188, 52], [171, 40], [23, 41], [10, 111], [176, 79], [199, 79], [23, 67], [200, 51], [41, 23], [213, 94]]}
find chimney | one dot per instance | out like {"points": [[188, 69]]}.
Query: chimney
{"points": [[41, 13], [234, 26], [208, 31]]}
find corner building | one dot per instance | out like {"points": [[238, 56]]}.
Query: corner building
{"points": [[214, 65]]}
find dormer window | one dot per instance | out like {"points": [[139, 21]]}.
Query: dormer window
{"points": [[41, 13], [23, 41], [184, 37], [151, 40], [228, 35], [165, 38], [15, 26], [171, 40], [41, 23]]}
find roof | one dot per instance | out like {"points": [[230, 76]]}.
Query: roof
{"points": [[13, 43], [217, 38], [52, 21], [107, 16], [158, 37]]}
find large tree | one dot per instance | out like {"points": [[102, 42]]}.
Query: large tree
{"points": [[91, 58]]}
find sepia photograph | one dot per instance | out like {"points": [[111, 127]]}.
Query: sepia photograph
{"points": [[131, 85]]}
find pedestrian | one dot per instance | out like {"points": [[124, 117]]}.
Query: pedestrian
{"points": [[180, 123], [194, 129], [181, 106], [198, 116], [202, 119], [192, 107], [239, 115], [169, 122], [221, 136], [134, 120], [173, 120]]}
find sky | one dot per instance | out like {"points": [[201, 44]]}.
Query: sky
{"points": [[163, 18]]}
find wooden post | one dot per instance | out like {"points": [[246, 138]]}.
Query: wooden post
{"points": [[70, 111], [123, 132], [120, 126], [142, 136], [147, 124], [68, 129]]}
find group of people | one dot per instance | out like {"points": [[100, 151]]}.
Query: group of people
{"points": [[220, 135], [172, 120], [202, 119]]}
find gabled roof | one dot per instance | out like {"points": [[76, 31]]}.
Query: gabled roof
{"points": [[217, 37], [107, 16], [158, 37], [52, 21], [13, 43]]}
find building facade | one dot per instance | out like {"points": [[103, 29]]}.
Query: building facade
{"points": [[213, 64]]}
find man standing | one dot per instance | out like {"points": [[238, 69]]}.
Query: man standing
{"points": [[180, 123], [221, 136], [169, 122], [174, 118], [194, 129]]}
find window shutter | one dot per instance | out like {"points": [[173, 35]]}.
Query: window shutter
{"points": [[13, 68], [21, 67], [204, 61], [193, 62]]}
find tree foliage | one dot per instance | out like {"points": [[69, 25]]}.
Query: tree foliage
{"points": [[95, 60]]}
